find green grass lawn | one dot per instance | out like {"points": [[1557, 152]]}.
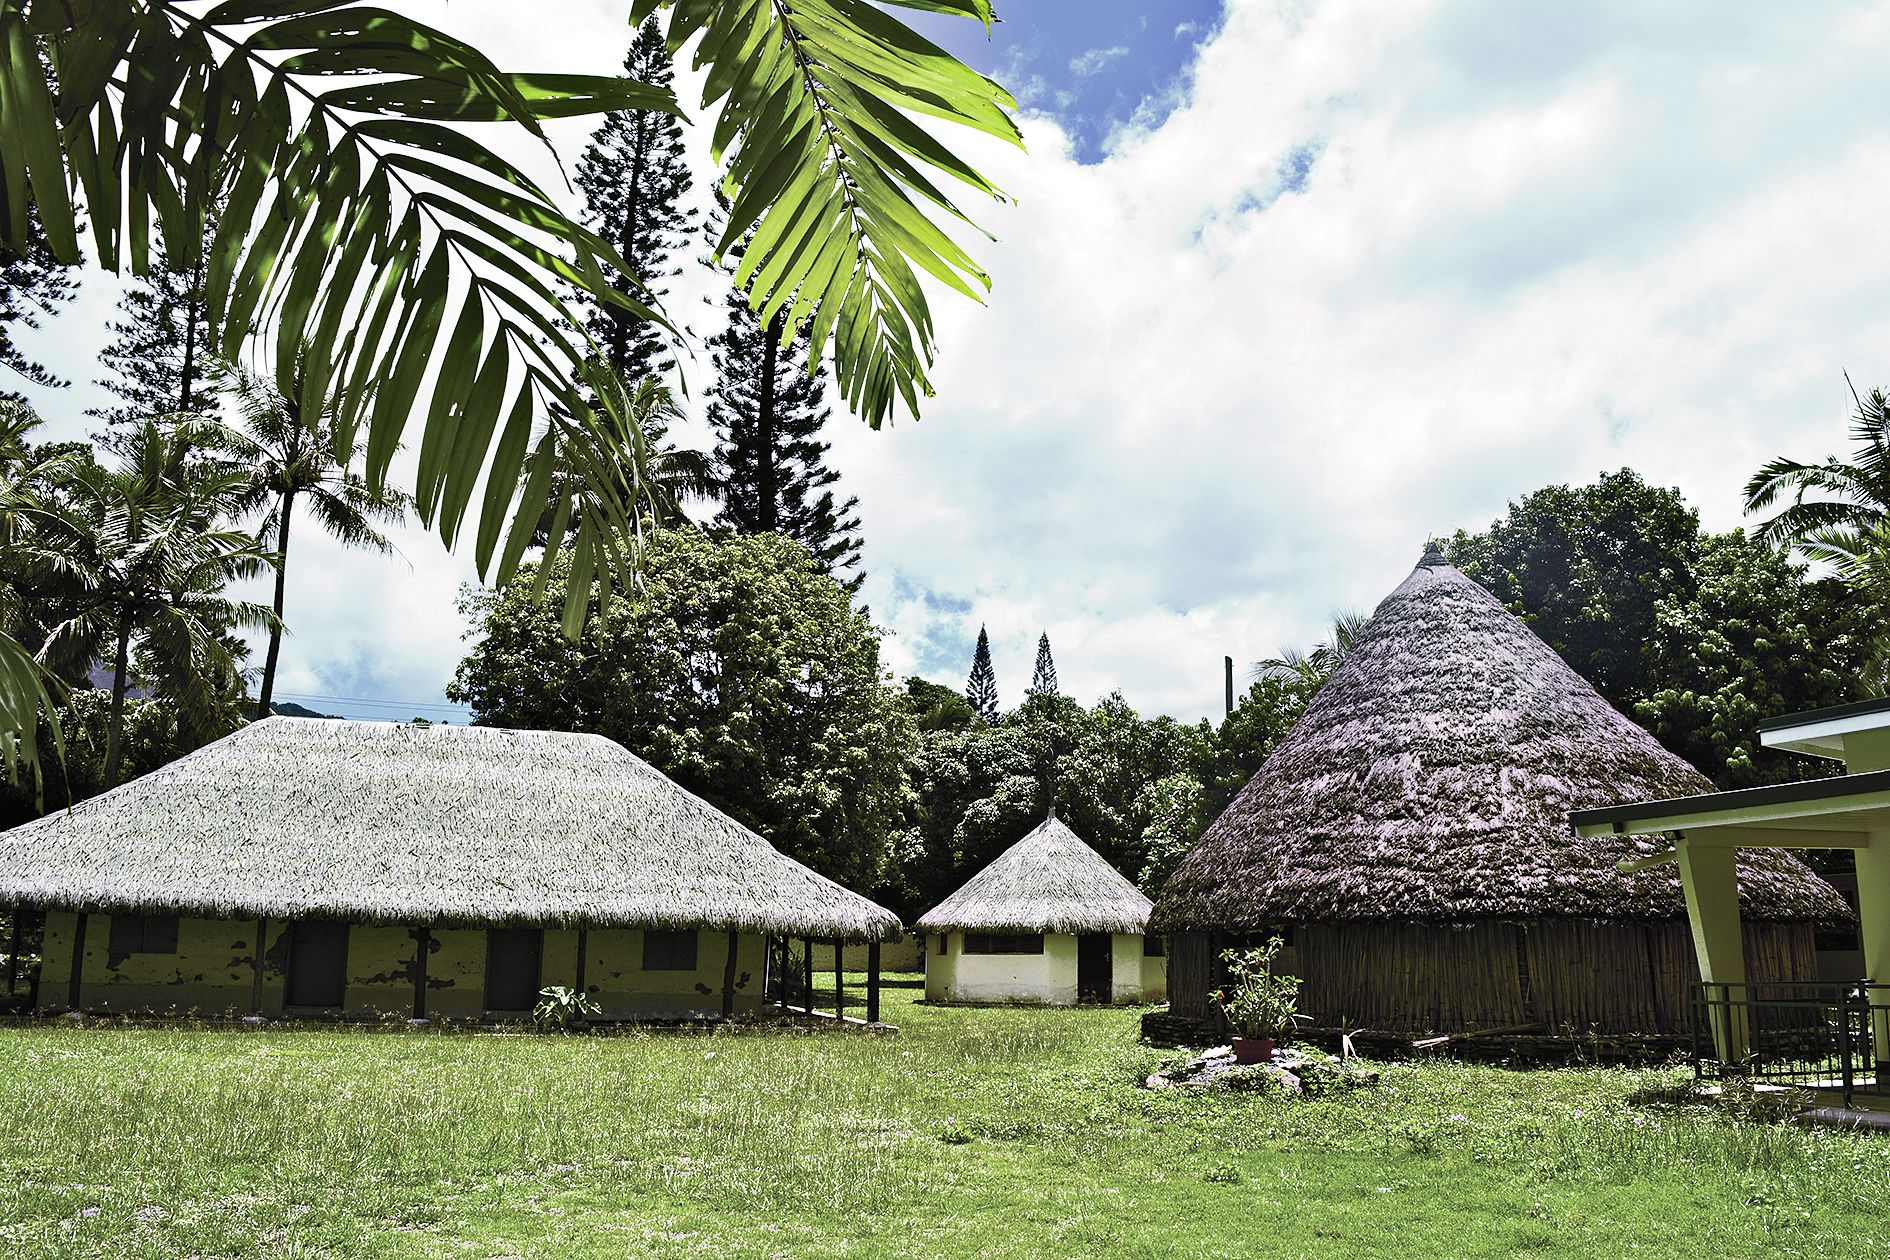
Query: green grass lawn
{"points": [[148, 1141]]}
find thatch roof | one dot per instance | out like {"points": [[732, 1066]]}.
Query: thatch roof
{"points": [[439, 824], [1050, 881], [1431, 779]]}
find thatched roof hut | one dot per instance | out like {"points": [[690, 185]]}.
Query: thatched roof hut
{"points": [[1048, 921], [1427, 788], [379, 822], [1050, 881]]}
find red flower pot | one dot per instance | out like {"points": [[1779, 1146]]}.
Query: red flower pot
{"points": [[1253, 1049]]}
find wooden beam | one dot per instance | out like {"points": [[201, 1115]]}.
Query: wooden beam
{"points": [[807, 970], [256, 967], [872, 983], [728, 977], [839, 984], [78, 963], [422, 946]]}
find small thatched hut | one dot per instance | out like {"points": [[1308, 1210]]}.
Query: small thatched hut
{"points": [[1048, 922], [1410, 838], [303, 866]]}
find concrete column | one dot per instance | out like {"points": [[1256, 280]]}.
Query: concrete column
{"points": [[1873, 918], [1711, 879]]}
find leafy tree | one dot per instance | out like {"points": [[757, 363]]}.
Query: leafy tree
{"points": [[142, 540], [634, 177], [740, 670], [1753, 640], [936, 708], [155, 733], [767, 409], [1043, 677], [1176, 807], [160, 354], [422, 270], [1586, 569], [981, 687], [285, 456], [1247, 737], [33, 285]]}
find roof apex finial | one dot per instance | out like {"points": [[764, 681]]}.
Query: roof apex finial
{"points": [[1053, 812], [1433, 556]]}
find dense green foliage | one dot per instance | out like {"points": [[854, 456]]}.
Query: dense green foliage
{"points": [[740, 669], [1695, 635], [1007, 1134]]}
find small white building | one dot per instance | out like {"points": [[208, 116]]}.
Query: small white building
{"points": [[1048, 923]]}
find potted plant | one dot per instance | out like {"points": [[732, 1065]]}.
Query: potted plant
{"points": [[1261, 1007]]}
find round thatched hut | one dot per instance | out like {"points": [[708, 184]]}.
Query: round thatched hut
{"points": [[1048, 922], [357, 869], [1410, 839]]}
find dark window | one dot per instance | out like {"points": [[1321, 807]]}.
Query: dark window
{"points": [[318, 963], [1151, 946], [669, 951], [513, 957], [144, 934], [1003, 943], [941, 942]]}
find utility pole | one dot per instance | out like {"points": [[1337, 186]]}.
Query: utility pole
{"points": [[1229, 662]]}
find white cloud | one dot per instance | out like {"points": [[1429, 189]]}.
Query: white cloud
{"points": [[1096, 60], [1202, 411]]}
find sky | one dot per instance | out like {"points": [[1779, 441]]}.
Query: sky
{"points": [[1281, 290]]}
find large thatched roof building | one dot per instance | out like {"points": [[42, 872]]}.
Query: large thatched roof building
{"points": [[384, 867], [1411, 838], [1048, 921]]}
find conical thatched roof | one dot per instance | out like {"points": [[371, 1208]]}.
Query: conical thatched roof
{"points": [[1431, 779], [1050, 881], [444, 824]]}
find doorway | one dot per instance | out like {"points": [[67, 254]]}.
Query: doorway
{"points": [[1094, 968], [513, 957], [318, 964]]}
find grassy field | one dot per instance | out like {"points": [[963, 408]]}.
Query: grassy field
{"points": [[972, 1133]]}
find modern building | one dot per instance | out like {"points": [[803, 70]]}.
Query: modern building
{"points": [[1049, 922]]}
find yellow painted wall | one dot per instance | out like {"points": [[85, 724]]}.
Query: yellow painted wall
{"points": [[899, 955], [212, 971]]}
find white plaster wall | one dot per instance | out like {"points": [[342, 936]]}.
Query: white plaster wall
{"points": [[1046, 979]]}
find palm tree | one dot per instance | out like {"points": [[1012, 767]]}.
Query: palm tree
{"points": [[286, 455], [671, 475], [1848, 524], [143, 543], [1311, 669], [28, 481]]}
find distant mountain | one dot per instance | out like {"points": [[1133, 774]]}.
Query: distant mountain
{"points": [[288, 708]]}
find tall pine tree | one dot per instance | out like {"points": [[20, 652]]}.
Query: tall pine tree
{"points": [[634, 177], [160, 352], [768, 411], [1043, 679], [32, 285], [981, 688]]}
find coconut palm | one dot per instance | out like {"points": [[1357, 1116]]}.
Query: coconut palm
{"points": [[1311, 669], [28, 479], [143, 543], [287, 455], [1840, 509]]}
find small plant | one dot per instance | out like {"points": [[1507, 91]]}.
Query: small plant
{"points": [[563, 1007], [1222, 1174], [1257, 1002], [952, 1133]]}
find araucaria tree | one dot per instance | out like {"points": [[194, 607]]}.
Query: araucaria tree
{"points": [[770, 464], [981, 687], [285, 456], [634, 177], [740, 670], [32, 285], [1043, 678], [161, 348]]}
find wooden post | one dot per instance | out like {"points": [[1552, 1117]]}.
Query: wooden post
{"points": [[1229, 662], [580, 962], [256, 967], [422, 945], [78, 963], [807, 969], [872, 983], [839, 982], [728, 977], [13, 951]]}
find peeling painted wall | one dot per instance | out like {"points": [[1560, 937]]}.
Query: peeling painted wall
{"points": [[212, 972]]}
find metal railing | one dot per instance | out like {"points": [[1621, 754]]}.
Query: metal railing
{"points": [[1815, 1034]]}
